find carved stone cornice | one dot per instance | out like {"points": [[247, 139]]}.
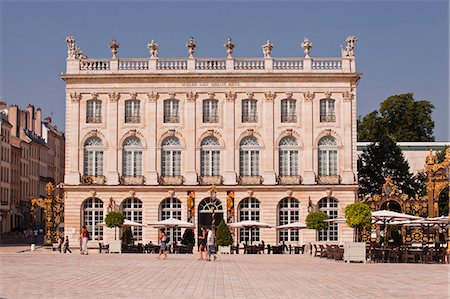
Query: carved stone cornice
{"points": [[309, 96], [153, 96], [270, 96], [75, 96], [114, 96], [347, 96], [231, 96], [191, 96]]}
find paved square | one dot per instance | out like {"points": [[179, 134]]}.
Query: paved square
{"points": [[54, 275]]}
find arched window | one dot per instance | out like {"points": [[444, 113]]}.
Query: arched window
{"points": [[288, 111], [288, 156], [132, 210], [327, 110], [132, 111], [328, 156], [210, 157], [288, 212], [92, 216], [249, 157], [171, 111], [210, 111], [132, 157], [249, 209], [94, 111], [171, 208], [330, 206], [171, 157], [249, 111], [93, 157]]}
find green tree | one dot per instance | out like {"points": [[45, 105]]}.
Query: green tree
{"points": [[316, 220], [358, 216], [114, 219], [401, 118], [379, 161], [223, 235]]}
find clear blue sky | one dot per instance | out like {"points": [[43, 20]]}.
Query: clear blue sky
{"points": [[402, 46]]}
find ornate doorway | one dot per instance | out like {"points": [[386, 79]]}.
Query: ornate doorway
{"points": [[206, 208]]}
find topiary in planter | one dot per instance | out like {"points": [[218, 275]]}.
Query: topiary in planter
{"points": [[188, 237], [316, 220], [358, 215], [114, 219], [223, 235]]}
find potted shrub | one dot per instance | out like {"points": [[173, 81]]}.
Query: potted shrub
{"points": [[114, 219], [316, 220], [188, 239], [223, 238], [358, 216]]}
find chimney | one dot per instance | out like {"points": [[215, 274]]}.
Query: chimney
{"points": [[30, 118], [37, 122], [13, 118], [48, 120]]}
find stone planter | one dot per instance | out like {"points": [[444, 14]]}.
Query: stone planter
{"points": [[224, 249], [115, 246], [355, 252]]}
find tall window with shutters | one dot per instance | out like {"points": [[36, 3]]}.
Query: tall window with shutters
{"points": [[93, 157], [132, 156], [171, 157]]}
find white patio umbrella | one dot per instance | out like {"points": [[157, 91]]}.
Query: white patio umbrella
{"points": [[249, 224], [126, 222], [387, 217], [337, 220], [172, 222], [294, 225]]}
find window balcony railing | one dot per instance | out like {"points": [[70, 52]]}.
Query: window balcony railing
{"points": [[94, 119], [289, 180], [132, 180], [4, 202], [171, 180], [132, 119], [250, 180], [93, 180], [328, 118], [211, 119], [289, 119], [328, 179], [249, 119], [210, 180], [172, 119]]}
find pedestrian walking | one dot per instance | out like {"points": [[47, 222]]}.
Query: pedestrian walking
{"points": [[66, 245], [163, 244], [60, 243], [202, 242], [210, 242], [84, 240]]}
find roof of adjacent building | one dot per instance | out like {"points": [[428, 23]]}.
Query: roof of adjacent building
{"points": [[410, 146]]}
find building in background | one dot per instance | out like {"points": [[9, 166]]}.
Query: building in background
{"points": [[32, 155], [151, 136]]}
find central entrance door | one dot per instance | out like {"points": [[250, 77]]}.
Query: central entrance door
{"points": [[205, 213]]}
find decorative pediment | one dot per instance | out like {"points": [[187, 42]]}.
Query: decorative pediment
{"points": [[327, 94], [309, 96], [289, 95], [75, 96], [270, 96], [250, 95], [114, 96], [153, 96], [94, 96], [211, 95], [133, 95], [230, 96], [172, 95], [191, 96]]}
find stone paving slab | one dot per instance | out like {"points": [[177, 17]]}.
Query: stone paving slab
{"points": [[40, 274]]}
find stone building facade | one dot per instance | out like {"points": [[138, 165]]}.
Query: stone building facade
{"points": [[150, 137], [32, 155]]}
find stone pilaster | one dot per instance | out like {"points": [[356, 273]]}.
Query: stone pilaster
{"points": [[112, 118], [73, 121], [308, 125], [229, 121], [151, 117], [347, 102], [190, 125], [268, 159]]}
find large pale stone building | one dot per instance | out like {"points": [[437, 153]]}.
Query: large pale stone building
{"points": [[149, 137]]}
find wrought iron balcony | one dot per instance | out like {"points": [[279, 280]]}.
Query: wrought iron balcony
{"points": [[210, 180], [94, 119], [93, 180], [328, 179], [132, 180], [211, 119], [289, 118], [328, 118], [132, 119], [171, 180], [289, 180], [172, 119], [250, 180], [249, 118]]}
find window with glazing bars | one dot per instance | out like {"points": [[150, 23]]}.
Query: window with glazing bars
{"points": [[132, 111], [132, 210], [288, 157], [93, 157], [211, 111], [171, 157], [330, 206], [171, 111], [288, 212], [94, 111], [249, 209], [288, 111], [132, 157], [249, 111], [327, 111], [210, 157], [328, 157]]}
